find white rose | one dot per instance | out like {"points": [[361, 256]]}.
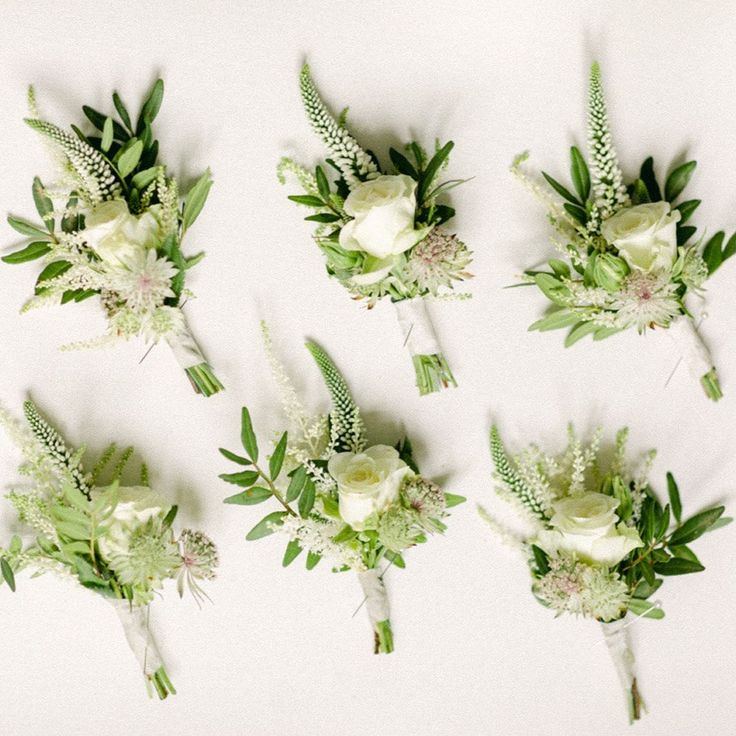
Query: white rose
{"points": [[586, 525], [383, 210], [367, 482], [645, 235], [136, 505], [116, 236]]}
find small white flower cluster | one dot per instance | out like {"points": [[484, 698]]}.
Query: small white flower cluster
{"points": [[315, 535]]}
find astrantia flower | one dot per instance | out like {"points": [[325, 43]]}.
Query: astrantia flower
{"points": [[694, 270], [437, 261], [646, 300], [398, 528], [198, 562], [424, 496], [151, 557], [145, 281], [164, 321], [571, 586]]}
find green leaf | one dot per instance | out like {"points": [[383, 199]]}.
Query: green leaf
{"points": [[677, 566], [678, 180], [577, 213], [580, 174], [249, 497], [170, 516], [195, 199], [307, 199], [684, 233], [555, 320], [649, 179], [723, 521], [152, 105], [72, 531], [263, 527], [129, 156], [686, 209], [662, 523], [644, 590], [639, 192], [122, 110], [684, 552], [7, 572], [559, 267], [235, 458], [395, 558], [143, 178], [44, 204], [712, 254], [696, 525], [29, 253], [452, 499], [323, 185], [296, 484], [345, 534], [540, 559], [26, 228], [276, 461], [312, 559], [552, 288], [562, 191], [306, 500], [324, 217], [637, 606], [579, 331], [107, 133], [674, 495], [245, 479], [402, 164], [433, 167], [51, 271], [100, 121], [248, 436], [293, 550]]}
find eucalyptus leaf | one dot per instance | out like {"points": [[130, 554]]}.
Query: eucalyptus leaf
{"points": [[245, 479], [129, 157], [674, 496], [580, 174], [696, 525], [306, 499], [293, 550], [195, 199], [7, 573], [235, 458], [26, 228], [296, 484], [678, 180], [276, 461]]}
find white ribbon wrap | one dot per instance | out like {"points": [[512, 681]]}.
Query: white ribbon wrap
{"points": [[616, 637], [135, 626], [376, 600], [691, 347], [185, 348], [419, 335]]}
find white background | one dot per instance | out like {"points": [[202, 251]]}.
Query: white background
{"points": [[278, 652]]}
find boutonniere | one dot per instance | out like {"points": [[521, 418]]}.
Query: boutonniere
{"points": [[628, 259], [382, 229], [116, 540], [112, 227], [359, 505], [598, 541]]}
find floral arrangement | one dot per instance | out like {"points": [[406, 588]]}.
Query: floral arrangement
{"points": [[113, 227], [598, 540], [382, 230], [628, 258], [112, 539], [339, 497]]}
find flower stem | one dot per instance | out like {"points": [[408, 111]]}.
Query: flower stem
{"points": [[162, 684], [384, 638], [433, 373], [203, 379], [711, 385]]}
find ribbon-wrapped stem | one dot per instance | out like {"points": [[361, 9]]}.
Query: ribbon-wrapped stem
{"points": [[617, 640], [141, 643], [432, 370], [376, 601], [696, 355], [192, 360]]}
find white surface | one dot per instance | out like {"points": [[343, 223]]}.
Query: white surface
{"points": [[278, 652]]}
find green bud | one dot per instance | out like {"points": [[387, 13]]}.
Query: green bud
{"points": [[609, 271]]}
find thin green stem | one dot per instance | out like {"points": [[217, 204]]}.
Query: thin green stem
{"points": [[275, 491]]}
